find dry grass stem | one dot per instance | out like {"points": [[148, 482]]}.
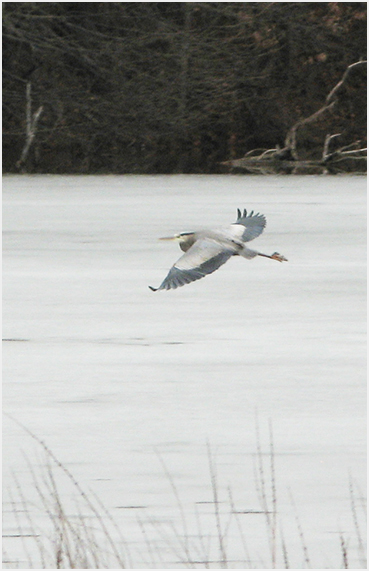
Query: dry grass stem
{"points": [[85, 535]]}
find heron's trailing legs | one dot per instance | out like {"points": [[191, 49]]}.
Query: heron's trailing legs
{"points": [[275, 256], [249, 254]]}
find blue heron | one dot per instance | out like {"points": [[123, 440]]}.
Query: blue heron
{"points": [[207, 250]]}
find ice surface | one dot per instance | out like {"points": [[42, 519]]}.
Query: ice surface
{"points": [[111, 375]]}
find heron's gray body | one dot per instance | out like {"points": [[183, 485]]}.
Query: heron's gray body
{"points": [[207, 250]]}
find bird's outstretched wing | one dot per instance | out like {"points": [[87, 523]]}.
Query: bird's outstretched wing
{"points": [[254, 224], [203, 258]]}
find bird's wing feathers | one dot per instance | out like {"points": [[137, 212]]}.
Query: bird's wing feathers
{"points": [[254, 224], [203, 258]]}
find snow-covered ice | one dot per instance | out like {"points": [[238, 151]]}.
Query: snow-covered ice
{"points": [[113, 377]]}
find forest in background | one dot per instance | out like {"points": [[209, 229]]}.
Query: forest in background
{"points": [[160, 87]]}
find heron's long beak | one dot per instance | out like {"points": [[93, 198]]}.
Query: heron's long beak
{"points": [[169, 238]]}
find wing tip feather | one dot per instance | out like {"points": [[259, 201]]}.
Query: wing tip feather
{"points": [[251, 214]]}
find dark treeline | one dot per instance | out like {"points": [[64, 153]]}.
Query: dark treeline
{"points": [[158, 87]]}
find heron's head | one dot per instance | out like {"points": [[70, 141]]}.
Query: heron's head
{"points": [[185, 239], [182, 237]]}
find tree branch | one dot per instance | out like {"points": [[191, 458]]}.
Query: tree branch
{"points": [[31, 125], [287, 160], [330, 102], [333, 94]]}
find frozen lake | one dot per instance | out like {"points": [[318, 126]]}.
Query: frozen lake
{"points": [[113, 377]]}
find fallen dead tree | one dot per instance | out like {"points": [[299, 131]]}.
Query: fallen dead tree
{"points": [[333, 157]]}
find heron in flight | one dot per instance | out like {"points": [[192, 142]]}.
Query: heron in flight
{"points": [[207, 250]]}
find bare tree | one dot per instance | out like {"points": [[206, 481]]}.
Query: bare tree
{"points": [[287, 159], [31, 126]]}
